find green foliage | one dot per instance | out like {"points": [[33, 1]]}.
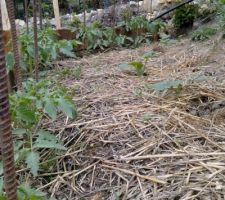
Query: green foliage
{"points": [[94, 36], [138, 66], [49, 48], [47, 9], [185, 15], [221, 13], [32, 160], [30, 104], [28, 107], [136, 23], [167, 84], [24, 192], [9, 60], [148, 55], [156, 27], [166, 39], [203, 33], [75, 22]]}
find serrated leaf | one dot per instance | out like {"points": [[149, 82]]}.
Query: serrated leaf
{"points": [[25, 114], [19, 131], [47, 140], [17, 145], [50, 109], [21, 154], [67, 108], [32, 161]]}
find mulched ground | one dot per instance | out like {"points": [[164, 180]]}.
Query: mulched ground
{"points": [[132, 142]]}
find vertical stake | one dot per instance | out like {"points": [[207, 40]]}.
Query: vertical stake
{"points": [[6, 140], [36, 59]]}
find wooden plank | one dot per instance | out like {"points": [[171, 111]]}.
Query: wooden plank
{"points": [[5, 17], [56, 13]]}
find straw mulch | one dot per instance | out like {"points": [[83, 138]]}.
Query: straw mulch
{"points": [[131, 142]]}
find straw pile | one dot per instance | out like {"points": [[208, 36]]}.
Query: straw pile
{"points": [[131, 142]]}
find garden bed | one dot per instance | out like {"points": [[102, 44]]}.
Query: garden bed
{"points": [[131, 142]]}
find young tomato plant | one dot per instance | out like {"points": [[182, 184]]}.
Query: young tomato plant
{"points": [[50, 48], [24, 192], [29, 107]]}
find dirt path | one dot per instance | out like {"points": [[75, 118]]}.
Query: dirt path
{"points": [[131, 142]]}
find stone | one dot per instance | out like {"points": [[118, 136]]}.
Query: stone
{"points": [[20, 23]]}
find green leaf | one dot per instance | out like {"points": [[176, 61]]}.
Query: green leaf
{"points": [[67, 108], [166, 85], [124, 66], [9, 59], [1, 168], [1, 186], [67, 52], [21, 154], [149, 55], [50, 109], [32, 161], [29, 193], [25, 114], [136, 64], [19, 131], [139, 67], [47, 140]]}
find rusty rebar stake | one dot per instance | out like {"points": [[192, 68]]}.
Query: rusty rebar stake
{"points": [[6, 140], [26, 15], [11, 13], [36, 59]]}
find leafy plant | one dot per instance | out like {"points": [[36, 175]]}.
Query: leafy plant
{"points": [[49, 48], [24, 192], [203, 33], [93, 36], [28, 108], [136, 28], [138, 66], [167, 84], [185, 15], [166, 39], [221, 13], [156, 28], [75, 22]]}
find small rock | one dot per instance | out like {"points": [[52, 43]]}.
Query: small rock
{"points": [[20, 22]]}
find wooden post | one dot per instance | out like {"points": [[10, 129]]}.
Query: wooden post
{"points": [[6, 27], [5, 16], [56, 13], [7, 39]]}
